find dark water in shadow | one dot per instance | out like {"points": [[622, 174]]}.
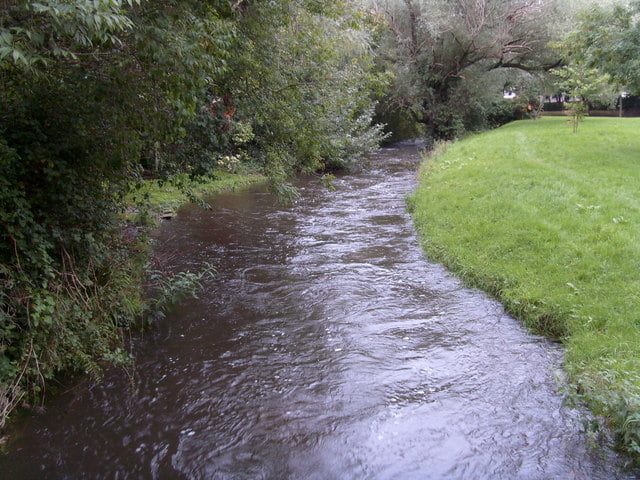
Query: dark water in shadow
{"points": [[325, 348]]}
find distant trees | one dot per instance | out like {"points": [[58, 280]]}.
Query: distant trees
{"points": [[599, 50], [451, 59], [608, 38]]}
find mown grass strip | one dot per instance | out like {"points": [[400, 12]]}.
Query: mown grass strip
{"points": [[549, 222]]}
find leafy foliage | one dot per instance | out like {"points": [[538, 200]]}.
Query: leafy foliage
{"points": [[34, 33], [303, 78], [608, 38], [170, 289], [581, 84], [451, 59], [97, 91]]}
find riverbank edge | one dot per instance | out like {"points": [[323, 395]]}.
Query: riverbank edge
{"points": [[155, 200], [617, 412], [144, 210]]}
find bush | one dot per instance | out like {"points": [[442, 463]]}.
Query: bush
{"points": [[501, 112]]}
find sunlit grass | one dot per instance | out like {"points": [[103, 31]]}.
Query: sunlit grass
{"points": [[549, 222]]}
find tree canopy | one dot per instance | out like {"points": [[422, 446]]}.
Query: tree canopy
{"points": [[607, 37], [450, 57]]}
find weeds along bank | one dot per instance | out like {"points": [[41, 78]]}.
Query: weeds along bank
{"points": [[548, 221], [78, 323]]}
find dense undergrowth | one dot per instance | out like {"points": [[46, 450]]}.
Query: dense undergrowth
{"points": [[549, 222], [79, 317], [99, 94]]}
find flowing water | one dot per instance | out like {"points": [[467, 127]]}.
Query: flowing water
{"points": [[326, 347]]}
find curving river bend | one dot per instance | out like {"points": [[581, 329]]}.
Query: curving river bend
{"points": [[325, 348]]}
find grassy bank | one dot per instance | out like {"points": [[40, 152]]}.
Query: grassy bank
{"points": [[549, 222], [157, 198]]}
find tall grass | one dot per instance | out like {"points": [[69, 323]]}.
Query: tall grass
{"points": [[549, 222]]}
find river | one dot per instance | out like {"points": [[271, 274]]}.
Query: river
{"points": [[326, 347]]}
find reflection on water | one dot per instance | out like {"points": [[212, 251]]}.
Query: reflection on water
{"points": [[325, 348]]}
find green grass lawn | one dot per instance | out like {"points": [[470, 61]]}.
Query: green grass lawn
{"points": [[549, 222]]}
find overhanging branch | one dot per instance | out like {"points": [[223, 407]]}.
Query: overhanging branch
{"points": [[526, 67]]}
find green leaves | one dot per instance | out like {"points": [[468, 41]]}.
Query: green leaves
{"points": [[303, 76], [581, 84], [96, 90], [169, 289], [39, 30], [451, 60], [607, 39]]}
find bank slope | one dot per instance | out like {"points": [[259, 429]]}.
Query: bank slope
{"points": [[549, 222]]}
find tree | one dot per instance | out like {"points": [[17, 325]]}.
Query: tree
{"points": [[303, 77], [581, 84], [64, 156], [608, 38], [446, 55]]}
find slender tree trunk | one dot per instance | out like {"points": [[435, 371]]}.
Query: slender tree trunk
{"points": [[621, 100]]}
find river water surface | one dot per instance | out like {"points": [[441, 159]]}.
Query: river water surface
{"points": [[326, 347]]}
